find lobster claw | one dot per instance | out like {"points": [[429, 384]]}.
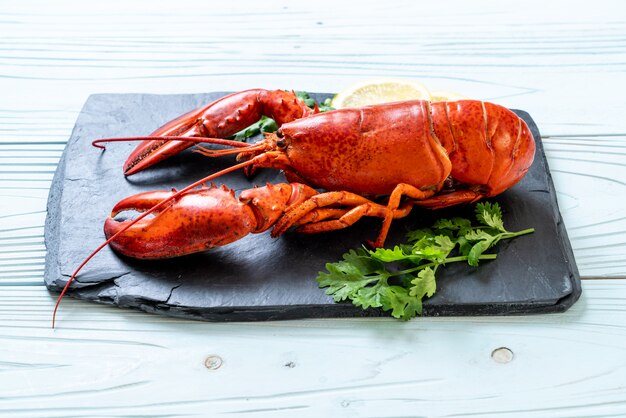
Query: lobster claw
{"points": [[152, 151], [220, 119], [197, 220]]}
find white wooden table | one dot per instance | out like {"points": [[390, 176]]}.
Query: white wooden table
{"points": [[563, 62]]}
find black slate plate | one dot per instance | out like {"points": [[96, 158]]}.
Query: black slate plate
{"points": [[260, 278]]}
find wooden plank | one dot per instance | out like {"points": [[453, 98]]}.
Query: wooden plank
{"points": [[588, 172], [532, 59], [126, 363]]}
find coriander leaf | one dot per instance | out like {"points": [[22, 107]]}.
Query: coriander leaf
{"points": [[341, 282], [386, 255], [264, 124], [362, 280], [434, 248], [361, 260], [464, 245], [418, 234], [444, 223], [268, 124], [397, 300], [368, 297], [478, 235], [454, 224], [444, 243], [398, 279], [345, 278], [476, 251], [490, 215], [424, 284], [306, 98], [478, 241], [325, 106]]}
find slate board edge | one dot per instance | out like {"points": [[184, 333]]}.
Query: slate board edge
{"points": [[53, 209], [566, 302], [336, 310], [325, 311]]}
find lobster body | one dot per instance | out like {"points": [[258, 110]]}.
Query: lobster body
{"points": [[367, 151]]}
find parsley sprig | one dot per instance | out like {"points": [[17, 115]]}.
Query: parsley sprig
{"points": [[266, 124], [398, 279]]}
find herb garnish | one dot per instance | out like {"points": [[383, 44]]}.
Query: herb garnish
{"points": [[368, 277], [266, 125]]}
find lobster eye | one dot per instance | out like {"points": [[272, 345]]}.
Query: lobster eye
{"points": [[281, 143]]}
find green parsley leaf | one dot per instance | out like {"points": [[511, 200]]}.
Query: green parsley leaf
{"points": [[402, 305], [424, 284], [369, 297], [490, 215], [389, 255], [418, 234], [476, 251], [345, 278], [268, 125], [400, 278], [306, 98], [434, 248], [478, 235], [325, 106], [454, 224], [264, 124]]}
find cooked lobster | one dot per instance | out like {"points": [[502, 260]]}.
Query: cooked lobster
{"points": [[435, 154], [377, 160]]}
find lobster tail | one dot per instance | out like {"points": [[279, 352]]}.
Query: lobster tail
{"points": [[490, 147]]}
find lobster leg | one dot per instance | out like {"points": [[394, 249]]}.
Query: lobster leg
{"points": [[315, 209], [348, 217], [321, 214], [401, 189], [291, 217], [450, 199], [219, 119]]}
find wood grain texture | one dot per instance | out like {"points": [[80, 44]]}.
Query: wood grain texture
{"points": [[564, 62], [112, 362]]}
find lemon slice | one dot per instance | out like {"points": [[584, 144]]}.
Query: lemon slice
{"points": [[380, 90], [446, 96]]}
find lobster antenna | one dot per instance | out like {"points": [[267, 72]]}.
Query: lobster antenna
{"points": [[229, 151], [194, 139], [140, 217]]}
